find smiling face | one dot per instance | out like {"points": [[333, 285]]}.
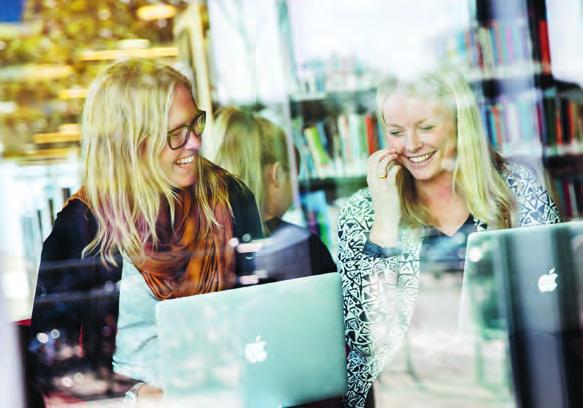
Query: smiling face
{"points": [[422, 131], [178, 165]]}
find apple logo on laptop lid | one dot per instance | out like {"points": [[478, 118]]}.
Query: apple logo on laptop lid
{"points": [[255, 351], [548, 281]]}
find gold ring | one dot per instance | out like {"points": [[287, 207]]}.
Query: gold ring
{"points": [[383, 176]]}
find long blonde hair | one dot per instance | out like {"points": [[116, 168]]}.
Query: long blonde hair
{"points": [[247, 144], [476, 174], [124, 127]]}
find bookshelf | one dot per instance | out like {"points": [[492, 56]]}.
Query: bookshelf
{"points": [[505, 52], [529, 115], [334, 133]]}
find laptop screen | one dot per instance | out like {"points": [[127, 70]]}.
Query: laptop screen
{"points": [[523, 285]]}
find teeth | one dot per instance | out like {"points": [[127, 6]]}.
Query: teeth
{"points": [[186, 160], [419, 159]]}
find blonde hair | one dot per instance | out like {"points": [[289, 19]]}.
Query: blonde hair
{"points": [[124, 130], [248, 143], [476, 174]]}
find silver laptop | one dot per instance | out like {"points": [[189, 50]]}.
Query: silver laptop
{"points": [[526, 285], [278, 344]]}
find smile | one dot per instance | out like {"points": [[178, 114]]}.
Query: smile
{"points": [[184, 161], [422, 158]]}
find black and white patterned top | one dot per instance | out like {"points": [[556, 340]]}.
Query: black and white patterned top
{"points": [[380, 292]]}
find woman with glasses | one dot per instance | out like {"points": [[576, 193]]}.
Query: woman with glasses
{"points": [[153, 220]]}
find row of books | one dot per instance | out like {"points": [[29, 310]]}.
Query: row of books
{"points": [[563, 133], [569, 194], [498, 43], [512, 125], [520, 125], [337, 145]]}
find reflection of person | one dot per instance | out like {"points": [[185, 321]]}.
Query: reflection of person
{"points": [[437, 177], [153, 219], [255, 149]]}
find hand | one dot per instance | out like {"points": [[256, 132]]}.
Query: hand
{"points": [[148, 396], [381, 175]]}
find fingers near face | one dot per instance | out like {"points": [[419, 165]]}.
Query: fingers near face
{"points": [[392, 172], [380, 161]]}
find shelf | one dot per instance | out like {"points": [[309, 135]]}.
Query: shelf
{"points": [[337, 94], [564, 160], [343, 186], [509, 72]]}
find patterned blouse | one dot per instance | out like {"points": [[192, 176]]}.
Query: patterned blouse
{"points": [[380, 292]]}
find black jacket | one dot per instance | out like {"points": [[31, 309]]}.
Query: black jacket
{"points": [[293, 252], [75, 311]]}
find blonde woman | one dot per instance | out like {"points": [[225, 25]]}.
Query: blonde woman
{"points": [[436, 182], [255, 149], [153, 220]]}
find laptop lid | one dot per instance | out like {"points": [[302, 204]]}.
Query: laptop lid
{"points": [[278, 344], [524, 284]]}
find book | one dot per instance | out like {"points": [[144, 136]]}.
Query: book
{"points": [[545, 52], [371, 133], [316, 212], [320, 157]]}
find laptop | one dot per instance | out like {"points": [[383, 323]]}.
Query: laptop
{"points": [[526, 284], [274, 345]]}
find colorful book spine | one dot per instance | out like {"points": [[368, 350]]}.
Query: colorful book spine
{"points": [[545, 51], [344, 136], [558, 125], [371, 134], [321, 158]]}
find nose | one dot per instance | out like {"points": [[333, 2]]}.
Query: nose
{"points": [[193, 142], [412, 141]]}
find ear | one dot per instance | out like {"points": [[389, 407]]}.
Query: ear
{"points": [[276, 173], [272, 175]]}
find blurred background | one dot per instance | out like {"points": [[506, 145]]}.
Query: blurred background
{"points": [[311, 66]]}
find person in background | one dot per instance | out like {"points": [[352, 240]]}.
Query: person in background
{"points": [[255, 149], [437, 181], [153, 220]]}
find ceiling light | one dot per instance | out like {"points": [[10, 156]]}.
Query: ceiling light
{"points": [[72, 93], [7, 107], [35, 72], [158, 52], [133, 44], [56, 137], [156, 12]]}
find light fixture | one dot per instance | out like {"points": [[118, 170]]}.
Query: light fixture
{"points": [[68, 132], [133, 44], [158, 52], [72, 93], [156, 12], [35, 72], [7, 107]]}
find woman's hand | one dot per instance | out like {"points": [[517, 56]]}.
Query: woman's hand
{"points": [[381, 174], [148, 395]]}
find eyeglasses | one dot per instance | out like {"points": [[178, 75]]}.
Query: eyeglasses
{"points": [[178, 137]]}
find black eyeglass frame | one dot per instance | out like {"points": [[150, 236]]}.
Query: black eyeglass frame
{"points": [[189, 130]]}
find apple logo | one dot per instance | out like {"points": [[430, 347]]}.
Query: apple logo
{"points": [[547, 282], [255, 352]]}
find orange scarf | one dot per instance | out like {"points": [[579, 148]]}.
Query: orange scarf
{"points": [[184, 262]]}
